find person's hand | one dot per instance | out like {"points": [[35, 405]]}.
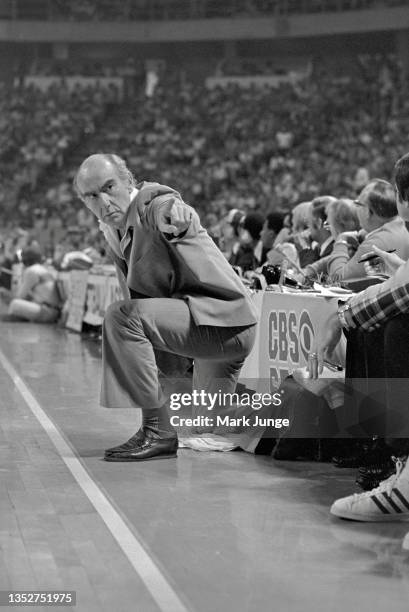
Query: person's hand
{"points": [[351, 235], [174, 217], [328, 339], [385, 263], [352, 238]]}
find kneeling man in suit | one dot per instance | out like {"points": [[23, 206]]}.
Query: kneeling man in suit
{"points": [[184, 299]]}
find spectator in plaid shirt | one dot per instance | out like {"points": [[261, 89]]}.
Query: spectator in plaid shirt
{"points": [[376, 323], [378, 305]]}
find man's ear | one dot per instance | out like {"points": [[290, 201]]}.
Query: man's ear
{"points": [[400, 201]]}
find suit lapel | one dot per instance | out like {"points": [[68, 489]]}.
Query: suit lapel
{"points": [[126, 240]]}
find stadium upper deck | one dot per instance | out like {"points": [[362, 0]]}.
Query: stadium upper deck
{"points": [[157, 10]]}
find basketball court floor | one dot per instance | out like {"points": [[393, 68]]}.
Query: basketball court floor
{"points": [[206, 532]]}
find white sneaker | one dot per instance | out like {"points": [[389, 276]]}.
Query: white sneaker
{"points": [[405, 543], [387, 502]]}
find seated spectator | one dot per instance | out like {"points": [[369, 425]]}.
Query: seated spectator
{"points": [[341, 217], [37, 297], [249, 236], [377, 213], [322, 240], [271, 228], [285, 233], [299, 238], [11, 254], [301, 235], [230, 227]]}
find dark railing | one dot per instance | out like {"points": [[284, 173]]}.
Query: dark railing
{"points": [[161, 10]]}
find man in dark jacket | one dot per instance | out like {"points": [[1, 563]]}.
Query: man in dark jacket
{"points": [[184, 299]]}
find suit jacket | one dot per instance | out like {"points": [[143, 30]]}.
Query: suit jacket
{"points": [[320, 266], [188, 267], [391, 235]]}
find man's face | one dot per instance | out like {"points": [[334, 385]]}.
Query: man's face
{"points": [[267, 236], [314, 225], [403, 207], [104, 192]]}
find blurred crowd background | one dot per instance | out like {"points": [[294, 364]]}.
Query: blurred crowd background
{"points": [[259, 149]]}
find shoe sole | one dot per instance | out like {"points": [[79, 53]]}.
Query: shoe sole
{"points": [[382, 518], [129, 459]]}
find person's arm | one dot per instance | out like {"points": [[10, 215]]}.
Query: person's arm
{"points": [[367, 310], [314, 270], [380, 302], [370, 311], [28, 281], [170, 215], [340, 264], [385, 262]]}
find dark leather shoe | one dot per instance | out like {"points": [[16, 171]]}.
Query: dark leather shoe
{"points": [[130, 444], [145, 448]]}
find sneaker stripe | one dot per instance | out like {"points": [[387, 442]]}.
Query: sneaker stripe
{"points": [[392, 503], [401, 498], [380, 506]]}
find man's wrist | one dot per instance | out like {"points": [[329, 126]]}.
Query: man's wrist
{"points": [[344, 315]]}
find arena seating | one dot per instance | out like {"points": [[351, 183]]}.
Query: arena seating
{"points": [[121, 10]]}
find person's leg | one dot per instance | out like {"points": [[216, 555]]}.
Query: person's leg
{"points": [[134, 329], [365, 402], [396, 364], [219, 380], [31, 311]]}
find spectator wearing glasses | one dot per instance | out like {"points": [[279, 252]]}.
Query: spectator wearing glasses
{"points": [[341, 217], [381, 227]]}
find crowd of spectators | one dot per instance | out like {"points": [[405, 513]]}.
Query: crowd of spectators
{"points": [[255, 149], [123, 10], [38, 129], [262, 148]]}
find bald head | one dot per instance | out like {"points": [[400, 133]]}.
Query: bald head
{"points": [[104, 184], [103, 161]]}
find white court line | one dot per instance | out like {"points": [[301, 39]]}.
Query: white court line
{"points": [[157, 585]]}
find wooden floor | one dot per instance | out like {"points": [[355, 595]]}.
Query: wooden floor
{"points": [[207, 532]]}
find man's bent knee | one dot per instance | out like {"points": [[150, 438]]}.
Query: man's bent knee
{"points": [[122, 314]]}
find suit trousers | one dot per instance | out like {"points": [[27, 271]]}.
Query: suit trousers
{"points": [[134, 329]]}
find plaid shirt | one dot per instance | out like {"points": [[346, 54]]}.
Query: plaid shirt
{"points": [[379, 303]]}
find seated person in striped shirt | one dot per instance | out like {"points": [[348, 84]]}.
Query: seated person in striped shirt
{"points": [[376, 323]]}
